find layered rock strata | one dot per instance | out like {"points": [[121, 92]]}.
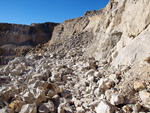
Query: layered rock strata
{"points": [[98, 63], [19, 39], [120, 31]]}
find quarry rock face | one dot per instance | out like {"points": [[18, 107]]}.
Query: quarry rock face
{"points": [[97, 63], [25, 35], [17, 40], [115, 29]]}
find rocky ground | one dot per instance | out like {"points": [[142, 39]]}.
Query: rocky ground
{"points": [[67, 82], [97, 63]]}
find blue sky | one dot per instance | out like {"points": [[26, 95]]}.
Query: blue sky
{"points": [[40, 11]]}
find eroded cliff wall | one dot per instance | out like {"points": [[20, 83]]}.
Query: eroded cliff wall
{"points": [[120, 31], [25, 35], [17, 40], [62, 76]]}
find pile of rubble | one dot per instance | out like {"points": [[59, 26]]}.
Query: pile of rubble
{"points": [[63, 75], [44, 82]]}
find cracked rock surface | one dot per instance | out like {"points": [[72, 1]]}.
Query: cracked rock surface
{"points": [[97, 63], [44, 82]]}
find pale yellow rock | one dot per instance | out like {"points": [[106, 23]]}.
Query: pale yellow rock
{"points": [[138, 85], [16, 105]]}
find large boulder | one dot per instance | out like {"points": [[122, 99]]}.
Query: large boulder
{"points": [[105, 107], [35, 95]]}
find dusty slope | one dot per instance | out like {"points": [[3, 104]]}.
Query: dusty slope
{"points": [[62, 76], [114, 28]]}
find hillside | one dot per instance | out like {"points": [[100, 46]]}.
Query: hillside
{"points": [[97, 63], [17, 40]]}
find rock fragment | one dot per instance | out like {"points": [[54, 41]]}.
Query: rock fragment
{"points": [[145, 97], [138, 85], [46, 107], [36, 95], [116, 99], [80, 110], [16, 105], [29, 108], [56, 77], [6, 110], [126, 109], [114, 78], [105, 107]]}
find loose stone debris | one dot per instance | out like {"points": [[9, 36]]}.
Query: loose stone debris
{"points": [[50, 84], [63, 76]]}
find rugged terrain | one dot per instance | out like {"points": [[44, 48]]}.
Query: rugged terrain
{"points": [[97, 63], [17, 40]]}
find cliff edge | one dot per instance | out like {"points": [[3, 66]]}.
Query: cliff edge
{"points": [[17, 40], [119, 32], [97, 63]]}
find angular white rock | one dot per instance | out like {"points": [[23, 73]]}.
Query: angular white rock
{"points": [[102, 84], [29, 108], [28, 97], [116, 99], [80, 110], [145, 97], [18, 70], [95, 103], [37, 76], [109, 93], [39, 83], [101, 89], [105, 107], [97, 74], [34, 95], [114, 78]]}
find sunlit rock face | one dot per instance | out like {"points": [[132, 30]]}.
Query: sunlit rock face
{"points": [[25, 35], [16, 40], [97, 63], [114, 29]]}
